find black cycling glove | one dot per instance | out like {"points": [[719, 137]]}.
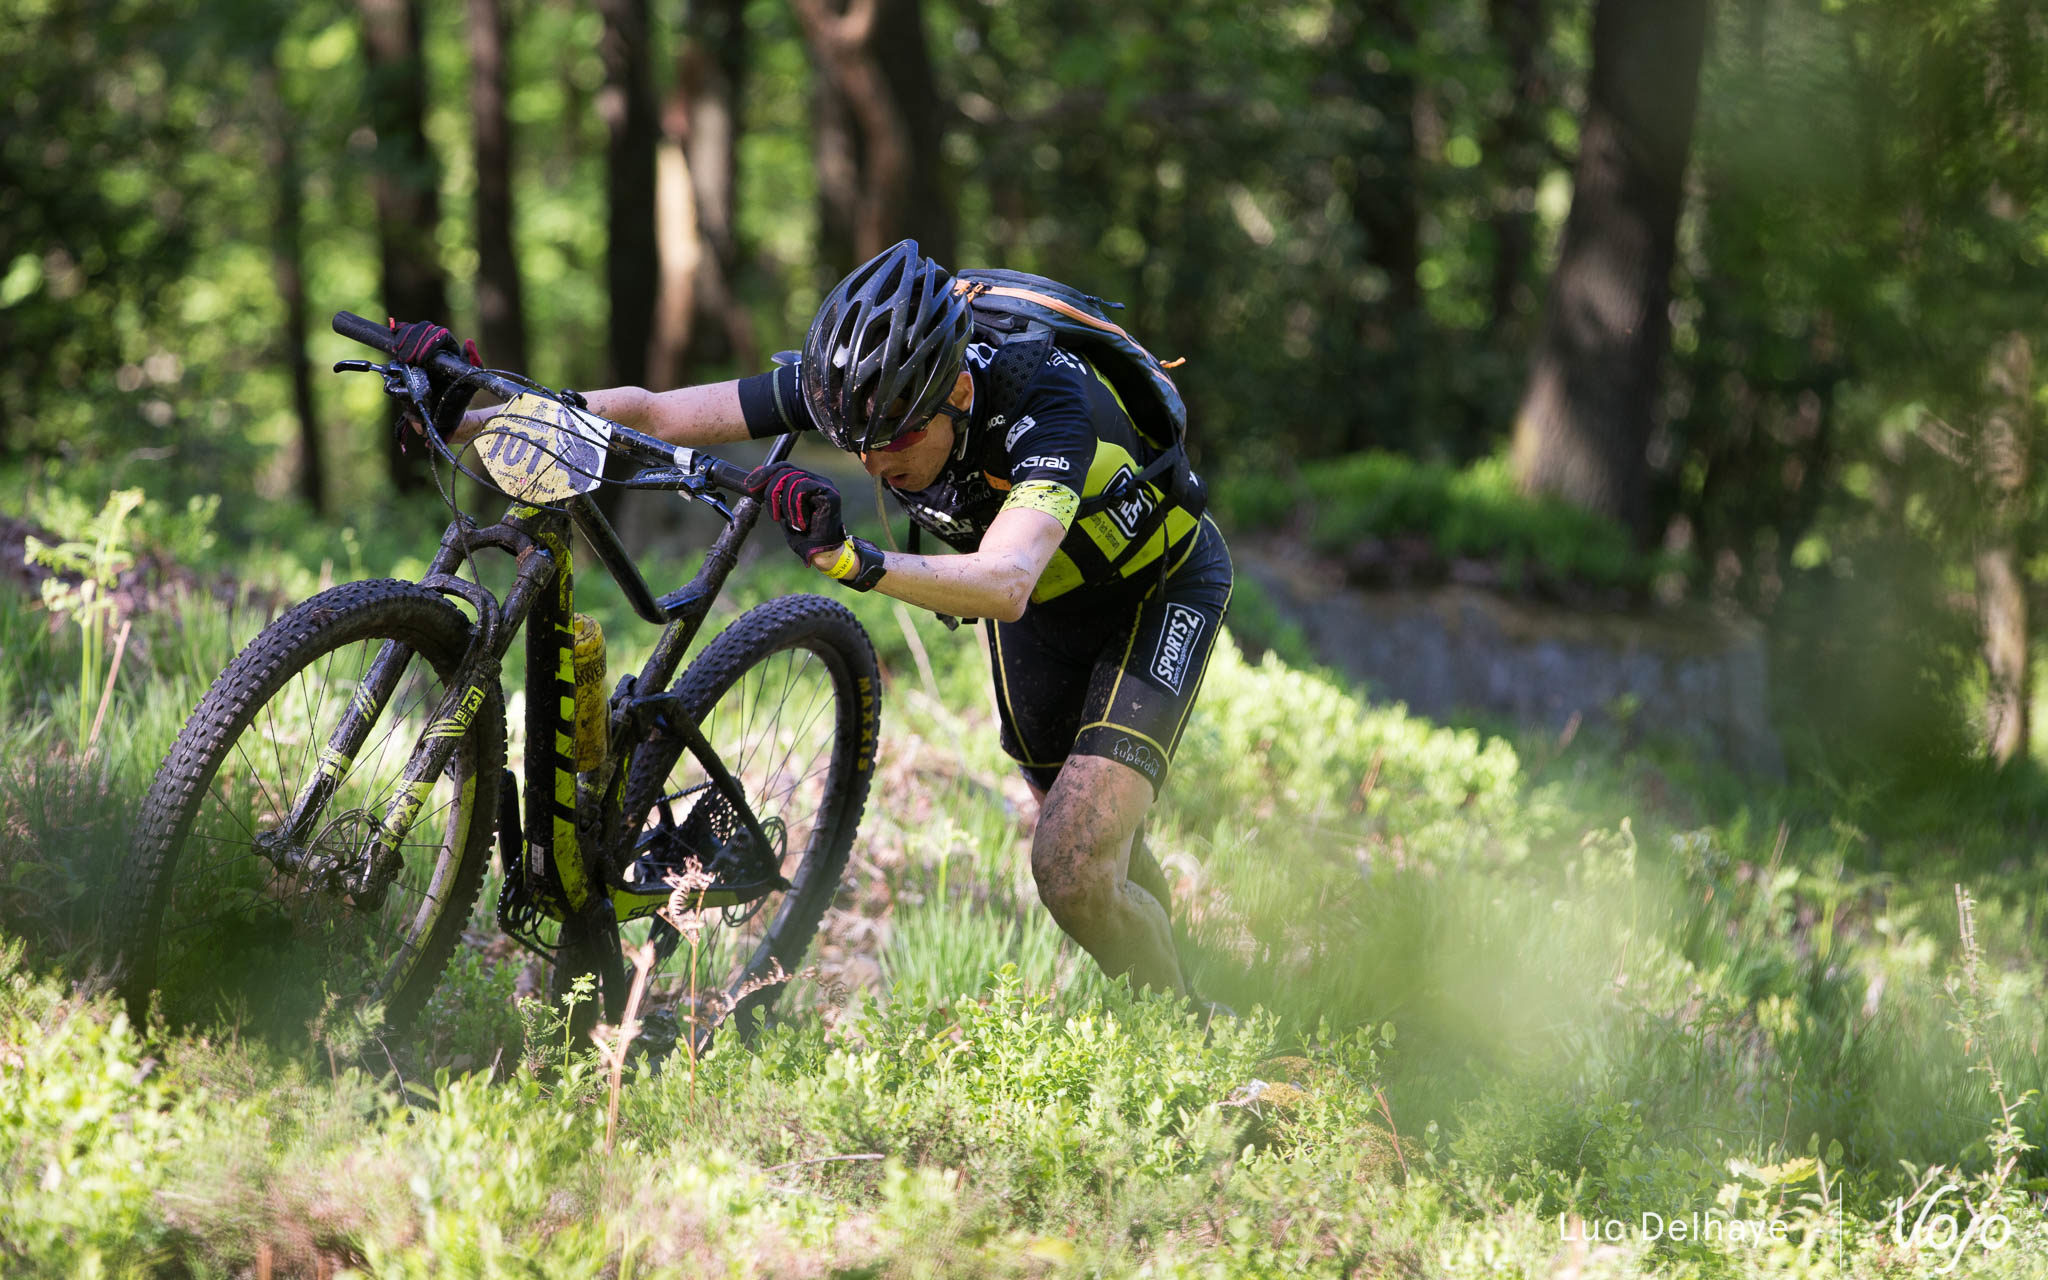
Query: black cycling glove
{"points": [[420, 339], [806, 506]]}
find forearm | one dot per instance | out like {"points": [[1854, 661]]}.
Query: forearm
{"points": [[691, 416], [978, 584]]}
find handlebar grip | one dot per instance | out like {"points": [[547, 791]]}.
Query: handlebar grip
{"points": [[368, 332], [729, 476]]}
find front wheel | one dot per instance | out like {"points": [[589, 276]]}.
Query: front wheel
{"points": [[787, 697], [247, 900]]}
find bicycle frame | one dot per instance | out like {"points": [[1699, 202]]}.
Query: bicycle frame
{"points": [[573, 822]]}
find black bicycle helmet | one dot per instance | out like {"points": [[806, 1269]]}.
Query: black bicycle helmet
{"points": [[885, 349]]}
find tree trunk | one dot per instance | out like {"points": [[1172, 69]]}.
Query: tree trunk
{"points": [[904, 53], [288, 259], [682, 258], [835, 154], [500, 302], [1591, 399], [626, 104], [632, 251], [1518, 153], [2005, 465], [1375, 40], [877, 122], [699, 319], [405, 182]]}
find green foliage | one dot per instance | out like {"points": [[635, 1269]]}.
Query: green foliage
{"points": [[1297, 747], [1596, 1017], [1254, 184], [182, 534], [1472, 512], [98, 563], [1868, 681], [1869, 238], [1621, 984], [1259, 626], [1062, 1102], [84, 1119], [473, 1018]]}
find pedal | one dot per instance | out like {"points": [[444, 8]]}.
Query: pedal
{"points": [[669, 849], [714, 839]]}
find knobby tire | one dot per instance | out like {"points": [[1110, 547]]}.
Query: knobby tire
{"points": [[280, 673], [729, 691]]}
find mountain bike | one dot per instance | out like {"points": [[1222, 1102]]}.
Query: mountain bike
{"points": [[317, 837]]}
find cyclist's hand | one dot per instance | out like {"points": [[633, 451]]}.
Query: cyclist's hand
{"points": [[804, 503], [421, 339], [416, 343]]}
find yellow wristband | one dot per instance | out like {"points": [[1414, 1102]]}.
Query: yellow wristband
{"points": [[847, 564]]}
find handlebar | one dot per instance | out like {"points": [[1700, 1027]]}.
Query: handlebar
{"points": [[366, 331], [447, 367]]}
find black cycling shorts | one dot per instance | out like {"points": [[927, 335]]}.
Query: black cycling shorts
{"points": [[1115, 682]]}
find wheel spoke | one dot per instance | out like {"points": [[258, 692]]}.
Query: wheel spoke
{"points": [[262, 931], [776, 726]]}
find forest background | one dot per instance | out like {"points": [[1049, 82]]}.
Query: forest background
{"points": [[1785, 333], [1736, 304]]}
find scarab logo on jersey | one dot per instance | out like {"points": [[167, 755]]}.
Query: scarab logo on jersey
{"points": [[1045, 462], [1128, 514], [1177, 643]]}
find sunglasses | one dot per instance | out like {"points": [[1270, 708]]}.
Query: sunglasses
{"points": [[902, 442], [911, 437]]}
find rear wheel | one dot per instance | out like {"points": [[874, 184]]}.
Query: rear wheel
{"points": [[787, 698], [237, 913]]}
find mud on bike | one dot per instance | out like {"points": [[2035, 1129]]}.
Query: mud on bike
{"points": [[318, 834]]}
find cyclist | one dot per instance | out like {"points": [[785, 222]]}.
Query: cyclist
{"points": [[1096, 654]]}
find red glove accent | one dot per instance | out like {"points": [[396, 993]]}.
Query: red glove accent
{"points": [[422, 338], [804, 503]]}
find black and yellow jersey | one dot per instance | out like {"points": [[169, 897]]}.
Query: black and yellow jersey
{"points": [[1064, 440]]}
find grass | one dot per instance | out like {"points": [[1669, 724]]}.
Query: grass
{"points": [[1499, 989]]}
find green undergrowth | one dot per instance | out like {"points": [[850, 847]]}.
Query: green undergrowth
{"points": [[1471, 512], [1497, 987]]}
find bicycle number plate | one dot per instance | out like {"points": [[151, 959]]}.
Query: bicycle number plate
{"points": [[538, 450]]}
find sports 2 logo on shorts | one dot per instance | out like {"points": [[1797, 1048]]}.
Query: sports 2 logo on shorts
{"points": [[1178, 640]]}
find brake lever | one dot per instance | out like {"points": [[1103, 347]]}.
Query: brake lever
{"points": [[417, 387], [403, 382], [699, 488]]}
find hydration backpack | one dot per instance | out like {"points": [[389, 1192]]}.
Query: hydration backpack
{"points": [[1023, 315]]}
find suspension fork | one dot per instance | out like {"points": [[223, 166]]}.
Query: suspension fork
{"points": [[539, 577], [366, 705]]}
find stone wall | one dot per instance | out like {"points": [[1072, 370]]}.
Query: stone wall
{"points": [[1687, 671]]}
